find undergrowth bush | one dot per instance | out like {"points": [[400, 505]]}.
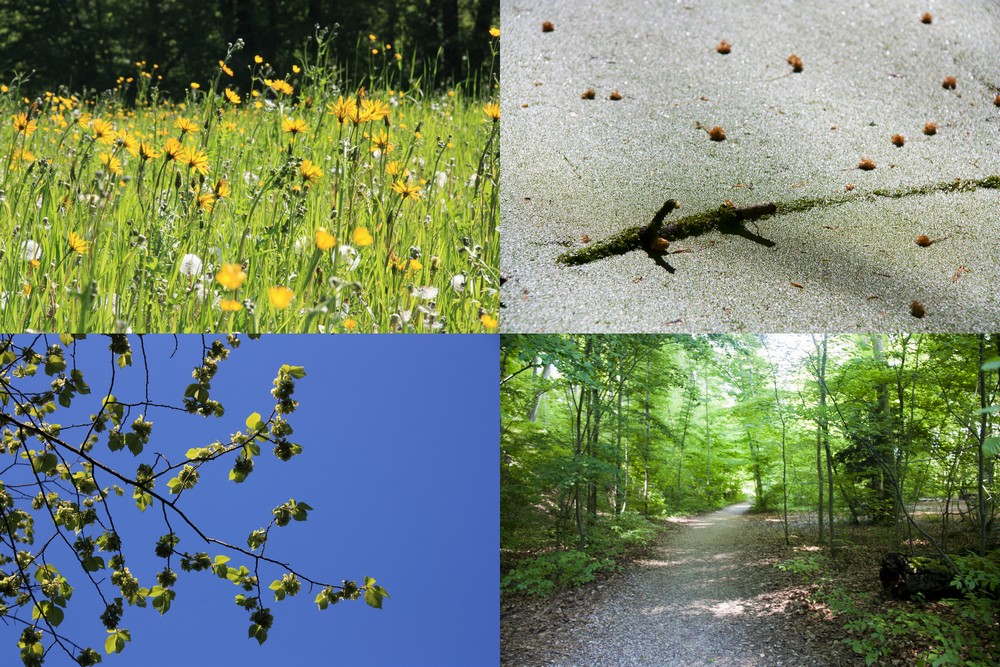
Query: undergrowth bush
{"points": [[547, 572]]}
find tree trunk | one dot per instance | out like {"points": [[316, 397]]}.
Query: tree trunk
{"points": [[979, 450], [645, 458], [708, 446]]}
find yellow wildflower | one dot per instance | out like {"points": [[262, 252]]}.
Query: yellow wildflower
{"points": [[324, 239], [173, 149], [77, 244], [230, 276], [406, 190], [488, 321], [492, 111], [280, 296], [196, 159], [310, 173], [343, 108], [185, 126], [23, 124], [103, 133], [230, 305], [113, 164], [362, 237], [293, 127], [233, 98]]}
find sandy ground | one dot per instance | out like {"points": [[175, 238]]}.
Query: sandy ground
{"points": [[575, 167]]}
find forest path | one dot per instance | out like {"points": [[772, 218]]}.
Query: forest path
{"points": [[706, 596]]}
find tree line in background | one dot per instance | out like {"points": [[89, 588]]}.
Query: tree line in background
{"points": [[856, 429], [88, 44]]}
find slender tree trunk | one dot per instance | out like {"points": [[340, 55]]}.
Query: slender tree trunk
{"points": [[819, 438], [979, 450], [645, 461], [708, 445], [784, 458]]}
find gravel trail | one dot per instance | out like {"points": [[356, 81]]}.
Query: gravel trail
{"points": [[706, 597]]}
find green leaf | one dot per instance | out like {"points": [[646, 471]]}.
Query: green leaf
{"points": [[297, 372], [988, 409], [133, 443], [259, 633], [373, 597], [194, 453], [115, 642], [991, 447], [992, 364], [254, 422]]}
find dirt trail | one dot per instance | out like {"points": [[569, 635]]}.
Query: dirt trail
{"points": [[707, 596]]}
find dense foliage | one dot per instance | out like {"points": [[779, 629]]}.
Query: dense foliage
{"points": [[88, 45], [893, 431]]}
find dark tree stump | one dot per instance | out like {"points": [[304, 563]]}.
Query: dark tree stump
{"points": [[903, 577]]}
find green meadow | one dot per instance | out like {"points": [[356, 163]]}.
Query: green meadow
{"points": [[304, 203]]}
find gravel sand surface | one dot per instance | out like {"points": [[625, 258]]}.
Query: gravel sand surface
{"points": [[576, 168]]}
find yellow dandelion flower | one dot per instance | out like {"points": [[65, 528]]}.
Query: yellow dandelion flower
{"points": [[296, 69], [173, 149], [310, 173], [494, 32], [113, 164], [233, 98], [343, 108], [488, 321], [185, 126], [222, 66], [127, 141], [492, 111], [22, 156], [281, 86], [350, 324], [371, 37], [147, 152], [406, 190], [230, 305], [196, 159], [362, 237], [280, 296], [206, 201], [230, 276], [373, 110], [399, 56], [324, 239], [415, 265], [394, 168], [380, 142], [258, 59], [77, 244], [23, 124], [103, 132], [222, 188], [294, 127], [195, 85]]}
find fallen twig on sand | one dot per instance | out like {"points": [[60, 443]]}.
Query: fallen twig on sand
{"points": [[655, 237]]}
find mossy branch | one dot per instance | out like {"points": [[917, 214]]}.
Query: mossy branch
{"points": [[656, 236]]}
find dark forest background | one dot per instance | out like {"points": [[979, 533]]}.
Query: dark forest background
{"points": [[90, 43]]}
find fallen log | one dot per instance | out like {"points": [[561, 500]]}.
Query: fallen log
{"points": [[904, 577]]}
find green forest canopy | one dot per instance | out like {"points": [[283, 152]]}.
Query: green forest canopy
{"points": [[595, 426], [89, 44]]}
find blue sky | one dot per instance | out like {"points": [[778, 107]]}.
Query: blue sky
{"points": [[399, 463]]}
